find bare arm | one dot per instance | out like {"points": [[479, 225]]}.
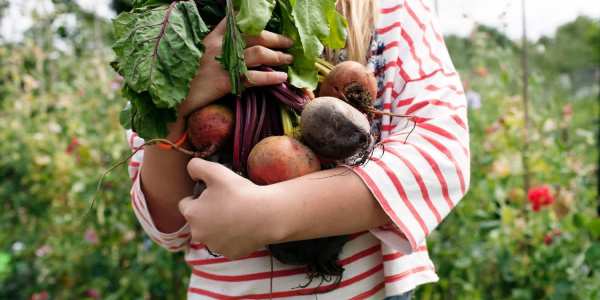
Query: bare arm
{"points": [[165, 182], [234, 217], [336, 201]]}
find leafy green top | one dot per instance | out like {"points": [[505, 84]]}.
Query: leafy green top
{"points": [[159, 46]]}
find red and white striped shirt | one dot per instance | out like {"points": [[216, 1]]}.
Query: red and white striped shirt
{"points": [[417, 178]]}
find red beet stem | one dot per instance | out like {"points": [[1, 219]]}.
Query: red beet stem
{"points": [[237, 137], [247, 133], [289, 97], [261, 119]]}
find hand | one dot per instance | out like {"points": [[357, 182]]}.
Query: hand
{"points": [[232, 216], [212, 81]]}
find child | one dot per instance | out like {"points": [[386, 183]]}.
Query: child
{"points": [[389, 205]]}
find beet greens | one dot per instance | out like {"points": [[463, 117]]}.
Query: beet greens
{"points": [[159, 45]]}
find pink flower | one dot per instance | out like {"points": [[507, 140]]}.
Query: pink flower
{"points": [[539, 197], [43, 295], [43, 251], [91, 236], [93, 293], [567, 111]]}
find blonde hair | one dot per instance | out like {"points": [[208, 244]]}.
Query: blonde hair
{"points": [[362, 16]]}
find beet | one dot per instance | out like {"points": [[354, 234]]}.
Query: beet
{"points": [[334, 129], [280, 158], [353, 83], [210, 127], [319, 255]]}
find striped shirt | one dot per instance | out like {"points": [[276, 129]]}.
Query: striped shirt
{"points": [[418, 173]]}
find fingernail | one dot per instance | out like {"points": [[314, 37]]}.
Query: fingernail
{"points": [[289, 42], [282, 76], [288, 59]]}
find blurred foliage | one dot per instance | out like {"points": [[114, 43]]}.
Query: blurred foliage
{"points": [[59, 108], [579, 41], [3, 7]]}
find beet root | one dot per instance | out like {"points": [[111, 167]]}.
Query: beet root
{"points": [[319, 255], [280, 158], [334, 129], [210, 127], [353, 83]]}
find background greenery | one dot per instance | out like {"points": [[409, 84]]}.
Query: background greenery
{"points": [[59, 108]]}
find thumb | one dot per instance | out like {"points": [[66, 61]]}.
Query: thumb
{"points": [[221, 27], [185, 204], [204, 170]]}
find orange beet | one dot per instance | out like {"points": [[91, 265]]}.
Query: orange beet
{"points": [[280, 158], [210, 127], [353, 83]]}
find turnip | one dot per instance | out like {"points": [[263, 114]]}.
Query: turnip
{"points": [[210, 127], [280, 158], [334, 129]]}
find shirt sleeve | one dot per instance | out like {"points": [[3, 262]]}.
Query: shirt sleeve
{"points": [[420, 169], [174, 242]]}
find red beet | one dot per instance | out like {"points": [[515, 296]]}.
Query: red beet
{"points": [[334, 129], [210, 127]]}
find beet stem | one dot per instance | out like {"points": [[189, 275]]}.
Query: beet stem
{"points": [[246, 135], [238, 134], [261, 118]]}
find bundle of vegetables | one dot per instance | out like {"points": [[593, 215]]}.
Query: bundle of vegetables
{"points": [[158, 48]]}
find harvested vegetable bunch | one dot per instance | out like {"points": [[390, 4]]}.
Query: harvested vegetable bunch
{"points": [[158, 47]]}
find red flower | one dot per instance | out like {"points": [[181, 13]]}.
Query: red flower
{"points": [[482, 71], [548, 239], [539, 197], [72, 145]]}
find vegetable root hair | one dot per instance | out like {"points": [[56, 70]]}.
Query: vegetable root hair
{"points": [[200, 154]]}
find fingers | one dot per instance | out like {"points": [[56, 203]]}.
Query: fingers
{"points": [[220, 29], [261, 56], [203, 170], [258, 78], [184, 206], [270, 40]]}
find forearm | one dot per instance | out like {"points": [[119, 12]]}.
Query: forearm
{"points": [[327, 203], [165, 182]]}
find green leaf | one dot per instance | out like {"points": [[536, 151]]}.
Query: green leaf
{"points": [[254, 15], [592, 256], [593, 226], [158, 50], [232, 58], [338, 32], [312, 24], [143, 117], [4, 265]]}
